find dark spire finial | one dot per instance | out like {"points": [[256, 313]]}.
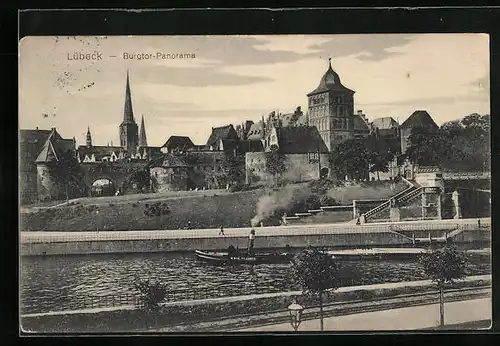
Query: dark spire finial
{"points": [[128, 114], [143, 142], [89, 138]]}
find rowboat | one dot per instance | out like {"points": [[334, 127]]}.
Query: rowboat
{"points": [[243, 258]]}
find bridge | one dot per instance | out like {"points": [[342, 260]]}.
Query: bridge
{"points": [[115, 172]]}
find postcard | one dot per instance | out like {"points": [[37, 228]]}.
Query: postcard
{"points": [[279, 183]]}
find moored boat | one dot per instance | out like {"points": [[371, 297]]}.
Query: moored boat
{"points": [[378, 253], [243, 258]]}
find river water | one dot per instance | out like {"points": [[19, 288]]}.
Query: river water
{"points": [[51, 283]]}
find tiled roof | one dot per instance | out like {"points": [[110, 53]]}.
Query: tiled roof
{"points": [[256, 131], [385, 123], [31, 143], [243, 146], [359, 124], [181, 142], [218, 133], [53, 147], [420, 119], [300, 140]]}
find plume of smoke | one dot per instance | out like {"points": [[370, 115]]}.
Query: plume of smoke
{"points": [[274, 200]]}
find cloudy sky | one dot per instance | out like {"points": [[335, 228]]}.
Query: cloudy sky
{"points": [[234, 78]]}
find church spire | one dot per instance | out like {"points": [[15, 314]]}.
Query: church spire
{"points": [[89, 138], [143, 141], [128, 113]]}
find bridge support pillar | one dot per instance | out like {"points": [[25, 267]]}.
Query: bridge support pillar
{"points": [[395, 214], [431, 203], [355, 210]]}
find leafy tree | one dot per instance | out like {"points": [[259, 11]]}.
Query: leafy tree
{"points": [[315, 272], [426, 148], [379, 154], [234, 166], [462, 144], [140, 178], [70, 175], [444, 266], [355, 157], [275, 162]]}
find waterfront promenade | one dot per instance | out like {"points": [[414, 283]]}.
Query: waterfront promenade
{"points": [[298, 236], [312, 229], [408, 318]]}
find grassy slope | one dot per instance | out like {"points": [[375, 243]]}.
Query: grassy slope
{"points": [[205, 209], [371, 190], [231, 210]]}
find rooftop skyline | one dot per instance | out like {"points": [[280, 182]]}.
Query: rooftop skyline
{"points": [[238, 78]]}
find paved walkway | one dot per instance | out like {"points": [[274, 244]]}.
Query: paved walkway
{"points": [[69, 236], [411, 318]]}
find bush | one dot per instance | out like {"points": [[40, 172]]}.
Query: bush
{"points": [[156, 209], [153, 293], [327, 200], [321, 186], [240, 187]]}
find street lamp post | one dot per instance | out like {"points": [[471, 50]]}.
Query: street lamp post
{"points": [[295, 314]]}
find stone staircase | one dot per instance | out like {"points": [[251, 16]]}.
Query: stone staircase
{"points": [[347, 213], [381, 213]]}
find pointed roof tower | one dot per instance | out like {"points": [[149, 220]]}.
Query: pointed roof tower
{"points": [[128, 113], [329, 81], [89, 138], [143, 141]]}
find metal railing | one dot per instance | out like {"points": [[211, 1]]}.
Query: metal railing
{"points": [[117, 300], [291, 230]]}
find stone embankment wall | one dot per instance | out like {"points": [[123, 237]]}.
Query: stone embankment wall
{"points": [[339, 235]]}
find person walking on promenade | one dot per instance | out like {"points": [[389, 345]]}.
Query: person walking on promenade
{"points": [[479, 223], [251, 240], [189, 225], [221, 232]]}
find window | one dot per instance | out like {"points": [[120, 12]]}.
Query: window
{"points": [[172, 177]]}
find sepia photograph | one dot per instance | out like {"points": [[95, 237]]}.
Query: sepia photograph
{"points": [[254, 183]]}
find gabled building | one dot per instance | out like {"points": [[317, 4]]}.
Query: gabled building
{"points": [[419, 120], [361, 126], [304, 151], [177, 143], [221, 133], [256, 131], [40, 151]]}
